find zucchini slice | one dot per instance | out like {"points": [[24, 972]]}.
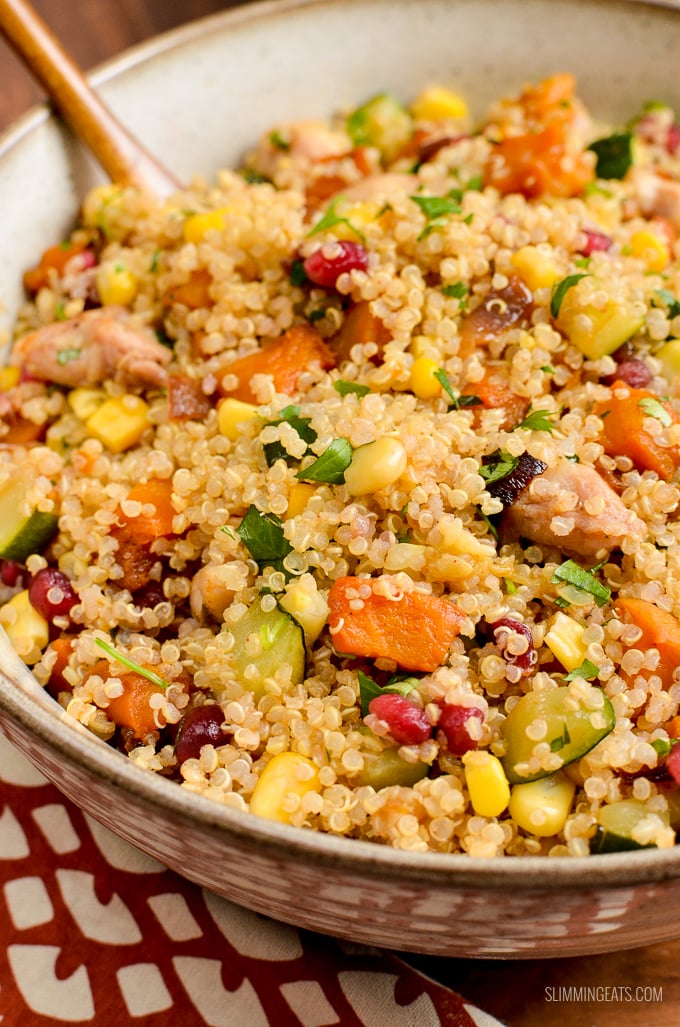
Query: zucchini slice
{"points": [[22, 533], [265, 641], [616, 822], [573, 726]]}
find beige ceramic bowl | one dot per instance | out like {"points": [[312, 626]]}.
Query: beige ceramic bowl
{"points": [[199, 97]]}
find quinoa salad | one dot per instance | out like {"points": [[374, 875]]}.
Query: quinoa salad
{"points": [[344, 489]]}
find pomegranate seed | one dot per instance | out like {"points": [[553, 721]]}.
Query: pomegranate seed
{"points": [[633, 372], [595, 242], [408, 724], [454, 723], [673, 763], [9, 572], [673, 139], [503, 631], [51, 593], [325, 265], [200, 726]]}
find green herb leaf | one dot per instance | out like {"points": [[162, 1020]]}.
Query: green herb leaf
{"points": [[130, 664], [439, 206], [669, 301], [548, 369], [510, 587], [370, 689], [583, 262], [459, 402], [297, 275], [331, 465], [331, 218], [560, 290], [457, 291], [537, 420], [653, 408], [66, 356], [262, 535], [587, 671], [274, 451], [278, 141], [562, 740], [500, 465], [60, 311], [345, 388], [573, 574], [614, 155]]}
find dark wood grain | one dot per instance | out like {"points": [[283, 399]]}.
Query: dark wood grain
{"points": [[522, 994]]}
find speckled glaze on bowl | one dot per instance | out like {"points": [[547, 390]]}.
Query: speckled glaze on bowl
{"points": [[198, 97]]}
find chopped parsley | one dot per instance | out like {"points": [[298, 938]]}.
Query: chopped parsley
{"points": [[437, 209], [537, 420], [662, 747], [588, 670], [130, 664], [653, 408], [331, 218], [370, 689], [571, 573], [459, 402], [67, 356], [274, 451], [510, 587], [457, 291], [278, 141], [297, 274], [560, 290], [345, 388], [331, 465], [670, 302], [500, 465], [614, 155], [262, 535]]}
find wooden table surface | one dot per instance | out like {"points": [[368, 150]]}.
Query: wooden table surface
{"points": [[521, 994]]}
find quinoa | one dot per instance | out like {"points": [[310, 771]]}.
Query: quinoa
{"points": [[344, 488]]}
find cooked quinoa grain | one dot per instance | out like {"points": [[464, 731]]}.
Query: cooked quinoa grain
{"points": [[344, 489]]}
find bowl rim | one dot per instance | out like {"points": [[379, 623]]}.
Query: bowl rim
{"points": [[91, 755]]}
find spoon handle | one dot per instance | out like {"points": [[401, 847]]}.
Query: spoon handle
{"points": [[122, 157]]}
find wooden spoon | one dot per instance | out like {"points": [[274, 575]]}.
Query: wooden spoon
{"points": [[122, 156]]}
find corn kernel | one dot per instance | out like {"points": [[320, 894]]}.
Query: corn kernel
{"points": [[27, 630], [98, 202], [375, 466], [196, 226], [564, 638], [651, 249], [541, 807], [119, 422], [669, 357], [423, 382], [303, 601], [84, 401], [116, 284], [9, 377], [300, 494], [232, 414], [437, 103], [535, 269], [486, 783], [286, 774]]}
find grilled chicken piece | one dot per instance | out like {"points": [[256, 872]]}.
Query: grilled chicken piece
{"points": [[570, 506], [87, 349]]}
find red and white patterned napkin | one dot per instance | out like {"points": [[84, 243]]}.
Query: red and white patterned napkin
{"points": [[95, 932]]}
